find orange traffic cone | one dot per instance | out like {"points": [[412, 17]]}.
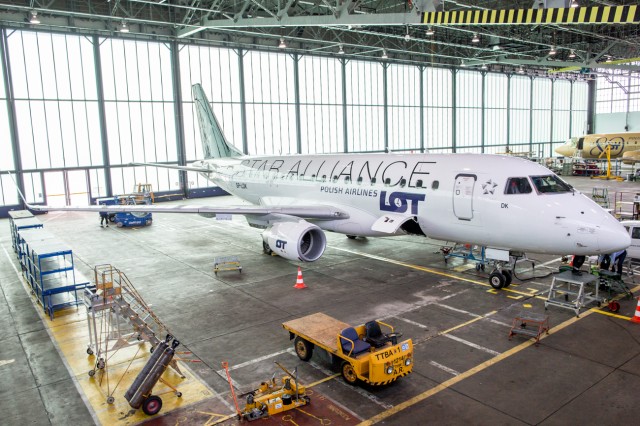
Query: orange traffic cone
{"points": [[636, 317], [299, 282]]}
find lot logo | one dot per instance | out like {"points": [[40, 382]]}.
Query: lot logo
{"points": [[399, 201]]}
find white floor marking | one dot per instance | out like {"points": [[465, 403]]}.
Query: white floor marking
{"points": [[6, 361], [473, 345], [451, 308], [417, 324], [444, 368]]}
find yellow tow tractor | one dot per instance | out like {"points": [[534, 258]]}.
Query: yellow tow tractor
{"points": [[272, 397], [365, 353]]}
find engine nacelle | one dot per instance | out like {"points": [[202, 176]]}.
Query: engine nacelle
{"points": [[296, 240]]}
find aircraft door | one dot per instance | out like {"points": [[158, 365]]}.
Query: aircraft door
{"points": [[463, 196]]}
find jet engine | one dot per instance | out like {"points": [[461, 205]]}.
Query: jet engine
{"points": [[295, 240]]}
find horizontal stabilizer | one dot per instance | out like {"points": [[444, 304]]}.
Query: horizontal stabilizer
{"points": [[391, 222]]}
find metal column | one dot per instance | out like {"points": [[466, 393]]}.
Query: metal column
{"points": [[179, 116], [102, 116]]}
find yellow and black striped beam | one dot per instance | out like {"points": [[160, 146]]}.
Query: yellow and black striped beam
{"points": [[576, 15]]}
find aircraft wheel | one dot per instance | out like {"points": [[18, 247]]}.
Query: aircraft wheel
{"points": [[497, 280], [349, 373], [89, 351], [110, 400], [152, 405], [507, 278], [304, 349], [92, 373]]}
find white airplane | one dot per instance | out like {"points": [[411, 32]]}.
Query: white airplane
{"points": [[504, 203]]}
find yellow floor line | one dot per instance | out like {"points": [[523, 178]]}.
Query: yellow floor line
{"points": [[444, 385], [431, 271]]}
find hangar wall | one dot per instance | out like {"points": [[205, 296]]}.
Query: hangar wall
{"points": [[75, 110]]}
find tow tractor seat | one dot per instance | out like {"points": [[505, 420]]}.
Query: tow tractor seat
{"points": [[375, 336], [358, 345]]}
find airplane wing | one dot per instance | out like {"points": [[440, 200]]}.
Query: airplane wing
{"points": [[303, 212], [169, 166]]}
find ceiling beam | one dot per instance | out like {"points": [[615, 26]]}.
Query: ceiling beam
{"points": [[566, 16]]}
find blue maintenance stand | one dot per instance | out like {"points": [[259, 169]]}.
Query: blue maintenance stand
{"points": [[466, 252], [48, 267]]}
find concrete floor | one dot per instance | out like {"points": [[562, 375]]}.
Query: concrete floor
{"points": [[587, 371]]}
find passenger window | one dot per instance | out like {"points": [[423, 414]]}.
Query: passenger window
{"points": [[635, 233], [373, 181], [518, 185], [435, 184], [403, 182], [359, 180], [419, 183]]}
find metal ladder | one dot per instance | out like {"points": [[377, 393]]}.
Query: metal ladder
{"points": [[128, 304]]}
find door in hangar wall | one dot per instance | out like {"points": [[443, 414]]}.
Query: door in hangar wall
{"points": [[463, 196], [66, 188]]}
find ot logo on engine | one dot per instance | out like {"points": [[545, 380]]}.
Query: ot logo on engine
{"points": [[281, 244], [398, 202]]}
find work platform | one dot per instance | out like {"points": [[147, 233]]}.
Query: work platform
{"points": [[573, 291]]}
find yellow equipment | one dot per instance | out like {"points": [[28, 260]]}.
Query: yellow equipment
{"points": [[608, 176], [273, 397], [365, 352], [143, 193]]}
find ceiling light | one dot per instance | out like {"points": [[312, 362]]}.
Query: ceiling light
{"points": [[34, 17], [574, 3], [282, 44], [407, 36], [475, 38], [521, 70], [463, 63], [124, 28], [384, 54], [552, 51], [572, 54], [484, 67], [430, 31], [340, 50]]}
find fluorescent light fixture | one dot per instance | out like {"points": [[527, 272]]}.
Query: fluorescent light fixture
{"points": [[34, 17], [552, 51], [384, 54], [572, 55], [463, 63], [574, 3], [520, 70], [123, 27], [430, 31], [484, 67], [282, 44], [340, 50], [407, 36], [475, 38]]}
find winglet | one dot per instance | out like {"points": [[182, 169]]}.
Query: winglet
{"points": [[214, 144]]}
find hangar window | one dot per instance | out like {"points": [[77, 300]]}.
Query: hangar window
{"points": [[435, 184], [550, 184], [518, 185]]}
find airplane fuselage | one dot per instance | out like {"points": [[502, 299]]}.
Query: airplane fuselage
{"points": [[451, 197], [594, 146]]}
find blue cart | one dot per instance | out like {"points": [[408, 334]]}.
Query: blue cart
{"points": [[122, 219]]}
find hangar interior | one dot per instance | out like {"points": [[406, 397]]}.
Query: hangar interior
{"points": [[91, 87]]}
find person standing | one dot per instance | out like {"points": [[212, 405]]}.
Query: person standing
{"points": [[104, 218]]}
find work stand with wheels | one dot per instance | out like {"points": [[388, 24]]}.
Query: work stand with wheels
{"points": [[570, 290], [529, 324]]}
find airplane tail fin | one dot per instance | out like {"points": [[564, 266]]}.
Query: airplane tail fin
{"points": [[214, 144]]}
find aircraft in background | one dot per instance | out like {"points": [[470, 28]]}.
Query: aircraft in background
{"points": [[623, 145], [506, 204]]}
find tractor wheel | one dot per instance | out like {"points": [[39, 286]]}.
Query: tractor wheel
{"points": [[304, 349], [349, 373]]}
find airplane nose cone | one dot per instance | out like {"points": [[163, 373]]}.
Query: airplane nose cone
{"points": [[612, 236], [565, 150]]}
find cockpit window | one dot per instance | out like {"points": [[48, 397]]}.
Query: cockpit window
{"points": [[518, 185], [550, 184]]}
